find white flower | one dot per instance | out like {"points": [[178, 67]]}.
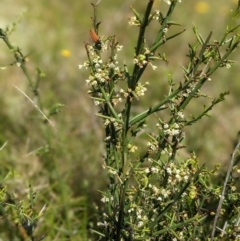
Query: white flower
{"points": [[153, 66], [186, 177], [169, 2], [165, 126], [106, 199], [169, 170], [154, 170], [180, 114], [165, 30], [140, 224], [228, 66], [119, 47], [147, 170]]}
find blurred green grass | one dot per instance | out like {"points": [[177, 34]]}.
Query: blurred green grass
{"points": [[72, 151]]}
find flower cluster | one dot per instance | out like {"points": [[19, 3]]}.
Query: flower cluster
{"points": [[172, 130], [100, 70], [156, 15], [145, 202], [141, 89], [104, 73], [140, 60], [133, 21]]}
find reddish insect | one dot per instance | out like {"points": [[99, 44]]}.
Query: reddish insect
{"points": [[95, 39]]}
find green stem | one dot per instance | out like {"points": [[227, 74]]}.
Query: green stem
{"points": [[140, 45], [164, 25], [124, 167], [143, 26], [18, 56], [160, 105], [106, 98]]}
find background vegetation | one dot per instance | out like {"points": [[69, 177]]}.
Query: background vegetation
{"points": [[63, 164]]}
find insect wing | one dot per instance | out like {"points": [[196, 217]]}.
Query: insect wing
{"points": [[95, 39]]}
